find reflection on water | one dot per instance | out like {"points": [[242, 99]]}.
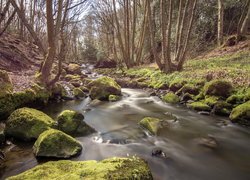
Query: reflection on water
{"points": [[119, 135]]}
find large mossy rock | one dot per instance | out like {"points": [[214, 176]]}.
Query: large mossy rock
{"points": [[218, 88], [241, 112], [199, 106], [73, 69], [71, 122], [6, 86], [102, 87], [171, 98], [78, 93], [151, 124], [55, 143], [27, 124], [113, 168]]}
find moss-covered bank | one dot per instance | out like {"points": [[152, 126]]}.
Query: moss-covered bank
{"points": [[114, 168]]}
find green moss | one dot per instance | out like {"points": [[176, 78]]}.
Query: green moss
{"points": [[6, 86], [7, 106], [211, 100], [71, 122], [177, 84], [236, 99], [55, 143], [102, 87], [78, 93], [151, 124], [24, 97], [27, 124], [218, 88], [222, 108], [70, 77], [171, 98], [188, 88], [114, 168], [42, 94], [241, 112], [199, 106], [114, 98]]}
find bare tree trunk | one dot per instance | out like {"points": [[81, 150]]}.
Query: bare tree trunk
{"points": [[8, 23], [220, 22], [242, 18], [179, 20], [28, 26], [183, 55], [152, 37], [5, 10], [246, 22], [48, 62]]}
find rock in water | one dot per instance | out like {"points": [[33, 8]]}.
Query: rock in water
{"points": [[27, 124], [171, 98], [71, 122], [151, 124], [113, 168], [55, 143], [241, 112], [73, 69], [102, 87], [6, 86]]}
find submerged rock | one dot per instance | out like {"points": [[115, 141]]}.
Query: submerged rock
{"points": [[102, 87], [113, 168], [171, 98], [55, 143], [28, 124], [209, 142], [6, 86], [218, 88], [151, 124], [241, 112], [114, 98], [71, 122]]}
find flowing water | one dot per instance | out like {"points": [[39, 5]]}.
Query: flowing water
{"points": [[119, 135]]}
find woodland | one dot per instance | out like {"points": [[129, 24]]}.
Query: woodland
{"points": [[124, 89]]}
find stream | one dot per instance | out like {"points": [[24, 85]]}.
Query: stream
{"points": [[191, 146], [119, 135]]}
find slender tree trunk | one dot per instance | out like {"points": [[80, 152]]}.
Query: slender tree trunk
{"points": [[8, 23], [47, 65], [220, 22], [152, 36], [246, 22], [183, 55], [242, 18]]}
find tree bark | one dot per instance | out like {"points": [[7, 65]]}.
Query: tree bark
{"points": [[220, 22]]}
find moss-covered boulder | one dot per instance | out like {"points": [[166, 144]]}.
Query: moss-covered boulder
{"points": [[211, 100], [177, 84], [236, 99], [151, 124], [241, 112], [55, 143], [7, 106], [171, 98], [42, 94], [199, 106], [28, 124], [222, 108], [102, 87], [6, 86], [113, 168], [188, 88], [73, 69], [113, 98], [71, 122], [70, 77], [218, 88], [78, 93]]}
